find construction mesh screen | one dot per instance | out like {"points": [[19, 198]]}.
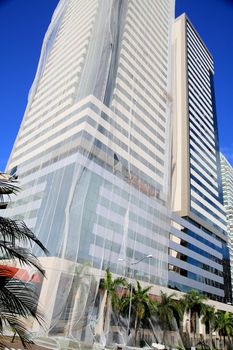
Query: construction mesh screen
{"points": [[93, 161]]}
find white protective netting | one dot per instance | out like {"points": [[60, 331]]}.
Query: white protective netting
{"points": [[93, 160]]}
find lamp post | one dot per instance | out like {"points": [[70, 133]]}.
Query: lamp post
{"points": [[149, 256]]}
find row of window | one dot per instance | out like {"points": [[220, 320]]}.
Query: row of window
{"points": [[201, 194], [197, 119], [203, 140], [142, 37], [151, 19], [199, 94], [201, 114], [184, 288], [144, 16], [200, 47], [209, 211], [195, 160], [195, 277], [76, 148], [197, 69], [141, 60], [193, 147], [52, 120], [200, 238], [209, 221], [133, 80], [183, 257]]}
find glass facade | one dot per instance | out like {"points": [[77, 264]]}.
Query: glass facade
{"points": [[203, 151], [206, 201], [198, 254], [197, 259]]}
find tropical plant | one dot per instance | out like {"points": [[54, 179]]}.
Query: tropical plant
{"points": [[224, 325], [208, 318], [110, 299], [7, 187], [18, 299], [193, 303], [140, 305], [169, 310]]}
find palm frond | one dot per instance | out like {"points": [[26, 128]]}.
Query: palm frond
{"points": [[143, 290], [17, 326], [120, 281], [12, 230], [23, 255], [19, 299], [8, 185]]}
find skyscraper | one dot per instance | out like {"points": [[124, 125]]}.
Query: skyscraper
{"points": [[227, 187], [93, 151], [196, 180]]}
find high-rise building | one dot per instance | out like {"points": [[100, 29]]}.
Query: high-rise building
{"points": [[227, 189], [93, 151], [196, 180]]}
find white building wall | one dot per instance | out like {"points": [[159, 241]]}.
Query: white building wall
{"points": [[93, 150]]}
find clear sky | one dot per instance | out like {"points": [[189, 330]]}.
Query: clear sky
{"points": [[23, 24], [213, 19]]}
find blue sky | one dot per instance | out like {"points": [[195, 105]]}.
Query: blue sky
{"points": [[213, 19], [23, 24]]}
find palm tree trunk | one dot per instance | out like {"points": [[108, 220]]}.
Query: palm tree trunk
{"points": [[164, 334], [194, 328], [220, 338], [99, 328], [211, 340], [106, 312], [135, 329], [229, 340]]}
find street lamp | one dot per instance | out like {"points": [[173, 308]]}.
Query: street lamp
{"points": [[149, 256]]}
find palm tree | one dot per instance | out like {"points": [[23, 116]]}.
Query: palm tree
{"points": [[193, 302], [110, 298], [14, 234], [18, 302], [169, 310], [140, 304], [18, 299], [209, 316], [7, 186], [224, 325]]}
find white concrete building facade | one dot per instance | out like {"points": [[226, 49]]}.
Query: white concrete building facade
{"points": [[93, 152]]}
